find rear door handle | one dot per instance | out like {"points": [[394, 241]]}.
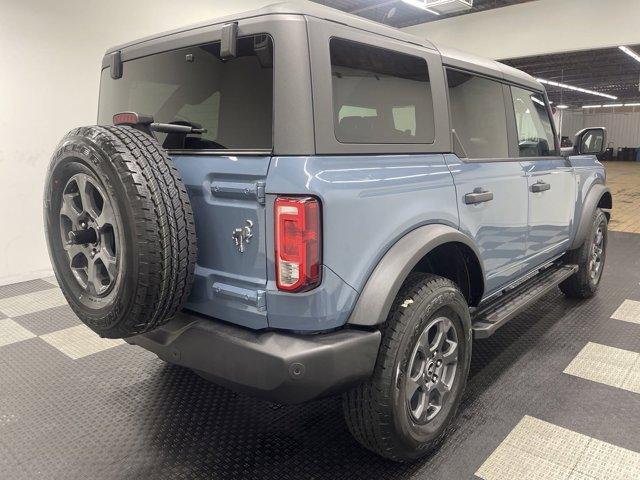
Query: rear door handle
{"points": [[478, 196], [540, 187]]}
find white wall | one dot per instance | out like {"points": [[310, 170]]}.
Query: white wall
{"points": [[623, 128], [543, 26], [49, 75]]}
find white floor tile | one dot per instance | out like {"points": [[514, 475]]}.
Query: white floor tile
{"points": [[32, 302], [603, 460], [12, 332], [629, 311], [52, 280], [603, 364], [79, 341], [585, 458], [509, 463], [632, 382]]}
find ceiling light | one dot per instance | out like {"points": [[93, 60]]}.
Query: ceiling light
{"points": [[630, 52], [614, 105], [575, 89], [592, 106], [632, 104], [421, 4], [562, 107], [449, 6]]}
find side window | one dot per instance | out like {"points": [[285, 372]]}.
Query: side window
{"points": [[379, 96], [535, 134], [478, 115]]}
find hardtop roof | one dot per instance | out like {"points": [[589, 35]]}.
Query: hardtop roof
{"points": [[306, 8]]}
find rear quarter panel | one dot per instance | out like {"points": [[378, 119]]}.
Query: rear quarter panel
{"points": [[368, 203]]}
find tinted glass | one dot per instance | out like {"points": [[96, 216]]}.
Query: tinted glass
{"points": [[478, 115], [379, 96], [535, 134], [232, 99]]}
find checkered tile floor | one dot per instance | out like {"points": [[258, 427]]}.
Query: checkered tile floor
{"points": [[555, 394], [43, 313]]}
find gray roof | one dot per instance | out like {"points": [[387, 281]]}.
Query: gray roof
{"points": [[491, 67]]}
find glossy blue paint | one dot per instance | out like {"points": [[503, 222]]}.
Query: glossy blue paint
{"points": [[368, 202], [223, 191], [498, 227], [550, 212]]}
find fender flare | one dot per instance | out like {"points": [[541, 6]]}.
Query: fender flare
{"points": [[374, 303], [591, 201]]}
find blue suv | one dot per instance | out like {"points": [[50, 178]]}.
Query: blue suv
{"points": [[295, 202]]}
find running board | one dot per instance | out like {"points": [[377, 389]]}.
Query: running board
{"points": [[488, 318]]}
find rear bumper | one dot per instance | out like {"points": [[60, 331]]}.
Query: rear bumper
{"points": [[281, 367]]}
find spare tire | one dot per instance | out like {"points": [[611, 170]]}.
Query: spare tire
{"points": [[120, 230]]}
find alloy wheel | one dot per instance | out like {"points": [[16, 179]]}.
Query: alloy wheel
{"points": [[89, 234], [432, 370]]}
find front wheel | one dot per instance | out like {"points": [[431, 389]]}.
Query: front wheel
{"points": [[403, 411], [590, 259]]}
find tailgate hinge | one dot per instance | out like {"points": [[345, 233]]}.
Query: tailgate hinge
{"points": [[260, 195]]}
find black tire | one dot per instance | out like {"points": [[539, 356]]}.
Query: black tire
{"points": [[116, 189], [584, 283], [377, 412]]}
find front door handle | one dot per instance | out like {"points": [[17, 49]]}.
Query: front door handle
{"points": [[478, 196], [540, 187]]}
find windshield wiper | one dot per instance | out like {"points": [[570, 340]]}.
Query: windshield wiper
{"points": [[173, 128], [145, 122]]}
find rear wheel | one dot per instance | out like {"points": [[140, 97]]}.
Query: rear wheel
{"points": [[120, 230], [403, 411], [590, 258]]}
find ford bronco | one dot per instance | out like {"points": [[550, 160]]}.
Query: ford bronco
{"points": [[295, 202]]}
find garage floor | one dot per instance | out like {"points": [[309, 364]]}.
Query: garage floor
{"points": [[554, 394]]}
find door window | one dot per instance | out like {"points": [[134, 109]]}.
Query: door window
{"points": [[478, 115], [535, 133], [379, 96]]}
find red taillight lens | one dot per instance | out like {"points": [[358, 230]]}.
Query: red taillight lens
{"points": [[297, 243]]}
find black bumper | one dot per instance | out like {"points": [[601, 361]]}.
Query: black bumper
{"points": [[281, 367]]}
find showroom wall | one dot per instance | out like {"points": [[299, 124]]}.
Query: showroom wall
{"points": [[49, 84], [623, 128], [532, 28]]}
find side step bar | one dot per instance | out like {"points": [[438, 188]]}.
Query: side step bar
{"points": [[488, 318]]}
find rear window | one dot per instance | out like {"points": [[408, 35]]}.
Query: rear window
{"points": [[232, 99], [380, 96]]}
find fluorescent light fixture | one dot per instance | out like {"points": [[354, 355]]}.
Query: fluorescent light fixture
{"points": [[592, 106], [632, 104], [614, 105], [537, 100], [562, 107], [630, 52], [550, 102], [421, 4], [575, 89], [449, 6]]}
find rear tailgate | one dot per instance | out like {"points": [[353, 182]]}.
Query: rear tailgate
{"points": [[227, 196], [229, 100]]}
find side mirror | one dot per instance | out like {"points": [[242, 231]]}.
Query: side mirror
{"points": [[591, 141]]}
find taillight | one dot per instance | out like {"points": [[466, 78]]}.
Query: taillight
{"points": [[297, 222]]}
